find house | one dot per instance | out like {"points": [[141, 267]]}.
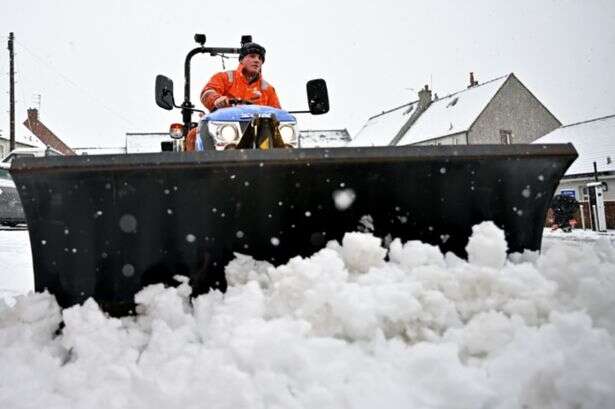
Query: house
{"points": [[141, 142], [5, 145], [38, 128], [136, 142], [594, 140], [94, 150], [500, 111], [326, 138]]}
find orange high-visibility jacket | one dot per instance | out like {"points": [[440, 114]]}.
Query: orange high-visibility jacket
{"points": [[233, 84]]}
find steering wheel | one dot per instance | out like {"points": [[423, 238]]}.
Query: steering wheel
{"points": [[237, 101]]}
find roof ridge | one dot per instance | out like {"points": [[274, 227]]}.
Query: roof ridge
{"points": [[393, 109], [323, 130], [439, 98], [588, 120], [475, 86]]}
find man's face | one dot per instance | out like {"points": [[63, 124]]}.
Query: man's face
{"points": [[252, 63]]}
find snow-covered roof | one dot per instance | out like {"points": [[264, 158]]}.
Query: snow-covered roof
{"points": [[452, 114], [326, 138], [594, 140], [146, 142], [449, 115], [26, 140], [380, 129], [99, 151]]}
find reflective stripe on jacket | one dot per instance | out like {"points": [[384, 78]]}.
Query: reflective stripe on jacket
{"points": [[233, 84]]}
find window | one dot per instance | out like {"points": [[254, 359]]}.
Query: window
{"points": [[452, 103], [506, 137], [52, 152], [409, 110], [12, 156], [4, 174]]}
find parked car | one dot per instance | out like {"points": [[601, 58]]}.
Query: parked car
{"points": [[30, 152], [11, 211]]}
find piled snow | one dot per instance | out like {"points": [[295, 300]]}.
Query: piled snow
{"points": [[355, 325], [487, 246]]}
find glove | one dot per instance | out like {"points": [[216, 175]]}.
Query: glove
{"points": [[221, 102]]}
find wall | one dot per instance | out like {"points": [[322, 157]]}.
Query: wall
{"points": [[457, 139], [513, 108], [578, 184], [609, 198]]}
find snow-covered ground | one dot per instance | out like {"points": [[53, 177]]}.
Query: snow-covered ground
{"points": [[354, 326], [15, 262]]}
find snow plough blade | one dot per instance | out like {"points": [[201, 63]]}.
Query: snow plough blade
{"points": [[106, 226]]}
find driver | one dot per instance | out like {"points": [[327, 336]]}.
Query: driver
{"points": [[245, 83]]}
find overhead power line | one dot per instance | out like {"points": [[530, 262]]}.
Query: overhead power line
{"points": [[74, 84]]}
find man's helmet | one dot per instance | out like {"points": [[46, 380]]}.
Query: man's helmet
{"points": [[252, 48]]}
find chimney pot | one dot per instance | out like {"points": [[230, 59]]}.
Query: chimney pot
{"points": [[33, 114], [424, 97]]}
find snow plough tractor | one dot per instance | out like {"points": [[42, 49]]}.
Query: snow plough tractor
{"points": [[106, 226]]}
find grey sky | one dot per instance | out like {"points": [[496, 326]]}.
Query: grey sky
{"points": [[94, 63]]}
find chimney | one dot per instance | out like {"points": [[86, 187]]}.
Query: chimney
{"points": [[422, 105], [473, 82], [424, 98], [44, 134], [32, 114]]}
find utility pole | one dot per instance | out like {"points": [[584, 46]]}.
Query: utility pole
{"points": [[11, 93]]}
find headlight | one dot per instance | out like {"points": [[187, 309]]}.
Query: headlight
{"points": [[228, 133], [224, 133], [289, 134]]}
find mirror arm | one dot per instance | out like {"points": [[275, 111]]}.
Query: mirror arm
{"points": [[191, 109], [298, 112]]}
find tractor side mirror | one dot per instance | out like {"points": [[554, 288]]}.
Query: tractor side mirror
{"points": [[164, 92], [318, 97]]}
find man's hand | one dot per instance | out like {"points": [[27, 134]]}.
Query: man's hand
{"points": [[222, 102]]}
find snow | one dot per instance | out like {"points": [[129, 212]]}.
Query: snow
{"points": [[328, 138], [343, 198], [380, 129], [452, 114], [16, 262], [355, 325], [594, 140], [99, 151], [142, 143]]}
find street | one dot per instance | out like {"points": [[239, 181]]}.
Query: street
{"points": [[16, 275]]}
